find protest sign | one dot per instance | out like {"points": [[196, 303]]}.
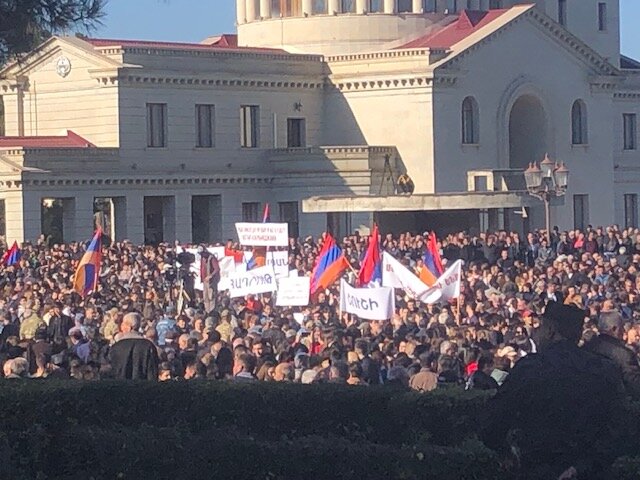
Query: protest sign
{"points": [[279, 260], [396, 275], [263, 234], [367, 303], [293, 292], [252, 282], [227, 266]]}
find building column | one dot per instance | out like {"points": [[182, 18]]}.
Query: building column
{"points": [[389, 6], [84, 224], [361, 6], [183, 219], [307, 7], [241, 12], [250, 10], [417, 6], [334, 6], [265, 9], [135, 218]]}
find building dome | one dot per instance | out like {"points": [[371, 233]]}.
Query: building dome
{"points": [[332, 27]]}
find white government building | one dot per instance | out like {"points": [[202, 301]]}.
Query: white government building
{"points": [[317, 107]]}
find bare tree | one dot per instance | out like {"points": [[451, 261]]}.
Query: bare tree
{"points": [[26, 23]]}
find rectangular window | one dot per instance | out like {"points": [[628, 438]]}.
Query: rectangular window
{"points": [[156, 125], [348, 6], [562, 12], [319, 7], [405, 6], [249, 126], [581, 211], [296, 132], [602, 17], [631, 210], [452, 6], [430, 6], [205, 126], [376, 6], [250, 212], [629, 130], [289, 214]]}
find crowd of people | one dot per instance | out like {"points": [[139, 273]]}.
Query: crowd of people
{"points": [[130, 327]]}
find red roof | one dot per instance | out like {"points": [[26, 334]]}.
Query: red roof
{"points": [[469, 22], [71, 140], [229, 42]]}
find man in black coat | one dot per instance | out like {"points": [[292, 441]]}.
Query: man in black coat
{"points": [[559, 411], [133, 357], [609, 345]]}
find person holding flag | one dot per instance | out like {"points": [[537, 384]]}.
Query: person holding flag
{"points": [[432, 267], [12, 256], [371, 265], [85, 280]]}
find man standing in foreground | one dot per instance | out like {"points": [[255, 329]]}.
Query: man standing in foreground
{"points": [[558, 411], [133, 357]]}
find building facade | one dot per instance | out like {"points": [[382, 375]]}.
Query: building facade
{"points": [[317, 107]]}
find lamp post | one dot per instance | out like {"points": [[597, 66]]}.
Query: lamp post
{"points": [[545, 181]]}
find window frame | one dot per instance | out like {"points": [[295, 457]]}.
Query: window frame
{"points": [[602, 17], [630, 201], [250, 212], [579, 123], [470, 118], [211, 119], [251, 139], [629, 132], [302, 131], [151, 125], [562, 12]]}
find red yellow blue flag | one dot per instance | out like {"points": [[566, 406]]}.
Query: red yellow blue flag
{"points": [[85, 279]]}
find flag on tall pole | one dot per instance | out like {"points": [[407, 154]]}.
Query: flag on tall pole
{"points": [[371, 265], [85, 280], [266, 216], [329, 265], [12, 256]]}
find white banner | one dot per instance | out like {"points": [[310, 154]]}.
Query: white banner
{"points": [[367, 303], [279, 261], [263, 234], [396, 275], [225, 268], [449, 282], [293, 292], [253, 282]]}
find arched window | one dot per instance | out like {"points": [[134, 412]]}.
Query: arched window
{"points": [[470, 121], [405, 6], [579, 135]]}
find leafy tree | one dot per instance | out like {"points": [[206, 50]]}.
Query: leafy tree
{"points": [[26, 23]]}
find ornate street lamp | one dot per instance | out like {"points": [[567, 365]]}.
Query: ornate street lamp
{"points": [[546, 181]]}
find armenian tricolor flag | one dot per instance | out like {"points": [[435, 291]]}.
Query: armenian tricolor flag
{"points": [[371, 265], [266, 216], [329, 265], [85, 279], [432, 268], [12, 256]]}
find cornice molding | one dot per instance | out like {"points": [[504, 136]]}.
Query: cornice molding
{"points": [[138, 181], [385, 84], [204, 82]]}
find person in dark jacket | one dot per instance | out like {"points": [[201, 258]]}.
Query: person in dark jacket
{"points": [[58, 328], [481, 379], [609, 345], [133, 357], [558, 412], [370, 368]]}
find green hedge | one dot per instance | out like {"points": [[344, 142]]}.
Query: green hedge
{"points": [[111, 430]]}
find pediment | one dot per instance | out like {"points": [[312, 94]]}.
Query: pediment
{"points": [[516, 16], [52, 50]]}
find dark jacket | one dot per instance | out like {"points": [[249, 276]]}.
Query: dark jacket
{"points": [[625, 359], [134, 359], [559, 408]]}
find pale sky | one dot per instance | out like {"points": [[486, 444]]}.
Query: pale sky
{"points": [[194, 20]]}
